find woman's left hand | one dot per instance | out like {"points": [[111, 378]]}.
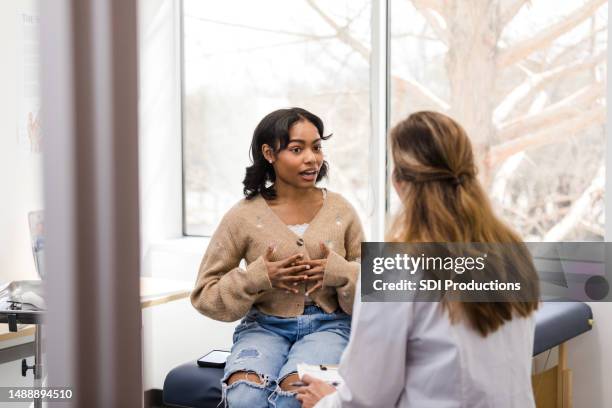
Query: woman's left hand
{"points": [[313, 392]]}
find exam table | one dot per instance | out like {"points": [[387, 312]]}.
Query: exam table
{"points": [[189, 385]]}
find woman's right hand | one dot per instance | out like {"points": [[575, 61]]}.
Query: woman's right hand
{"points": [[283, 274]]}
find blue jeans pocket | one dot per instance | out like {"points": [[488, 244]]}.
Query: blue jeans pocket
{"points": [[242, 327], [249, 321]]}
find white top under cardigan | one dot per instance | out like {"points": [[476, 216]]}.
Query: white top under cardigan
{"points": [[299, 230], [410, 355]]}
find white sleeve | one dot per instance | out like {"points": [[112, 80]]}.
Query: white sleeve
{"points": [[373, 365]]}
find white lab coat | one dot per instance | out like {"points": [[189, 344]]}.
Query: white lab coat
{"points": [[410, 355]]}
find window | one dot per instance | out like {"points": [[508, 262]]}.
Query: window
{"points": [[528, 82], [243, 59]]}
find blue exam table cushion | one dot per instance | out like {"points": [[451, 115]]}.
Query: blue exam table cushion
{"points": [[557, 322], [190, 385]]}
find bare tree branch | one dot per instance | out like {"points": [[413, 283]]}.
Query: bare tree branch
{"points": [[432, 20], [577, 211], [536, 82], [254, 28], [425, 98], [410, 85], [438, 6], [560, 59], [341, 32], [566, 128], [502, 177], [593, 228], [521, 50], [567, 107], [419, 36], [511, 11]]}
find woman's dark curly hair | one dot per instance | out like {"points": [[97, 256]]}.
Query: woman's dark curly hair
{"points": [[273, 130]]}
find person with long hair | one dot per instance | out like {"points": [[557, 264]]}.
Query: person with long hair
{"points": [[445, 353], [301, 245]]}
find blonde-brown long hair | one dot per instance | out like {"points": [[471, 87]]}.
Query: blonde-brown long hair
{"points": [[443, 201]]}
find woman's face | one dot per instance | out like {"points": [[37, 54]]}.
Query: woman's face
{"points": [[299, 163]]}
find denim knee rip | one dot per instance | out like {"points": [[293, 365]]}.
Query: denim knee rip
{"points": [[244, 354], [279, 392], [265, 384]]}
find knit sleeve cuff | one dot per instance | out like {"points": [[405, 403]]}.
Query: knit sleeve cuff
{"points": [[338, 270], [257, 273]]}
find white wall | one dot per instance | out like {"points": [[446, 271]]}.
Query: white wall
{"points": [[173, 333], [590, 358], [20, 170], [20, 175], [590, 355]]}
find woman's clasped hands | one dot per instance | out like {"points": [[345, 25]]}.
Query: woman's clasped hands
{"points": [[316, 269], [287, 273]]}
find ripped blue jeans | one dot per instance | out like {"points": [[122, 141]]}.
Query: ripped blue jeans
{"points": [[271, 347]]}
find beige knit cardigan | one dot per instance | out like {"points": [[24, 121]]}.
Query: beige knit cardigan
{"points": [[226, 292]]}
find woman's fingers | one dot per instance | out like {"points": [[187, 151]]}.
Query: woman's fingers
{"points": [[312, 262], [325, 249], [294, 269], [319, 285], [314, 271], [306, 399], [306, 379], [293, 278], [290, 260], [316, 277], [269, 251], [297, 273], [286, 287]]}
